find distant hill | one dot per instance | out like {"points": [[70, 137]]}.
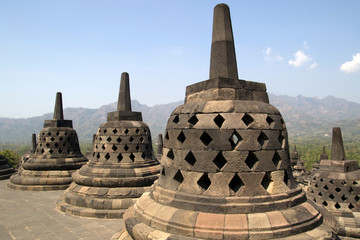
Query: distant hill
{"points": [[305, 118]]}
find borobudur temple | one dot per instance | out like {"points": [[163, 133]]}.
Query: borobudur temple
{"points": [[122, 166], [336, 186], [56, 157], [226, 170], [5, 169]]}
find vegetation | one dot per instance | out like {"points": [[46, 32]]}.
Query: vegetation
{"points": [[12, 157]]}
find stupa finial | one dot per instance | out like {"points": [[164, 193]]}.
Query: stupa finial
{"points": [[337, 146], [124, 102], [223, 58], [58, 110], [33, 143]]}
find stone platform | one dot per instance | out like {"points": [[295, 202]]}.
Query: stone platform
{"points": [[33, 215]]}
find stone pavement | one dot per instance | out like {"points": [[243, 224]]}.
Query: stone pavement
{"points": [[33, 215]]}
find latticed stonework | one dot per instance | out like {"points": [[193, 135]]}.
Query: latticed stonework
{"points": [[56, 157], [5, 169], [226, 171], [122, 167], [336, 186]]}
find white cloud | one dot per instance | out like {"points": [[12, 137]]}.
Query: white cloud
{"points": [[351, 66], [301, 59], [271, 58]]}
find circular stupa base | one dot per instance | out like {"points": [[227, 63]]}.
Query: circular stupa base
{"points": [[37, 187]]}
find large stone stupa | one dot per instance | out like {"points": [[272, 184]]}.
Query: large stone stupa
{"points": [[336, 186], [122, 166], [226, 170], [56, 157]]}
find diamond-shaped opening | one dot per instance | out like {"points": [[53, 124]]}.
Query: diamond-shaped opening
{"points": [[219, 160], [163, 171], [269, 120], [190, 158], [350, 206], [126, 131], [107, 156], [176, 119], [114, 131], [56, 144], [324, 203], [60, 139], [114, 148], [98, 156], [43, 133], [103, 147], [350, 189], [105, 131], [276, 159], [321, 180], [338, 189], [326, 187], [119, 139], [181, 137], [137, 131], [100, 138], [141, 139], [59, 151], [314, 199], [320, 194], [167, 136], [52, 139], [108, 139], [143, 155], [178, 177], [247, 119], [170, 154], [262, 138], [343, 182], [219, 120], [337, 205], [126, 147], [137, 147], [132, 157], [193, 120], [343, 197], [251, 160], [235, 139], [205, 138], [266, 181], [49, 134], [131, 139], [204, 182], [331, 196], [281, 139], [51, 151], [331, 181], [119, 157], [42, 150], [64, 144], [47, 144], [355, 182], [236, 183], [57, 133], [357, 198]]}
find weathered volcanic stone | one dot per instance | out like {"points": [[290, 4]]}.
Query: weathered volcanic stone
{"points": [[294, 157], [336, 186], [5, 169], [160, 145], [121, 168], [226, 171], [56, 157], [27, 155]]}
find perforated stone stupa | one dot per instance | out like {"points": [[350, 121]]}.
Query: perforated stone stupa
{"points": [[5, 169], [336, 186], [56, 157], [122, 167], [225, 165]]}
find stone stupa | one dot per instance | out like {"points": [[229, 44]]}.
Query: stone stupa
{"points": [[28, 154], [5, 169], [56, 157], [122, 166], [160, 145], [336, 186], [225, 165], [294, 157]]}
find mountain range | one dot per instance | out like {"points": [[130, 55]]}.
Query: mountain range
{"points": [[305, 118]]}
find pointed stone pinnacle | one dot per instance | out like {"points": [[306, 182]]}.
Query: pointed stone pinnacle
{"points": [[33, 143], [124, 101], [337, 146], [323, 155], [160, 144], [58, 111], [223, 58]]}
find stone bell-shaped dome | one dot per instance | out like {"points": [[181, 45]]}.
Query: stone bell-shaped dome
{"points": [[122, 166], [336, 186], [225, 165], [5, 169], [56, 157]]}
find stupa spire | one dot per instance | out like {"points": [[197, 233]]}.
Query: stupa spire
{"points": [[58, 110], [124, 101], [337, 146], [223, 58], [33, 143]]}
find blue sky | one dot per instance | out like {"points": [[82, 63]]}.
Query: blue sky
{"points": [[81, 48]]}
